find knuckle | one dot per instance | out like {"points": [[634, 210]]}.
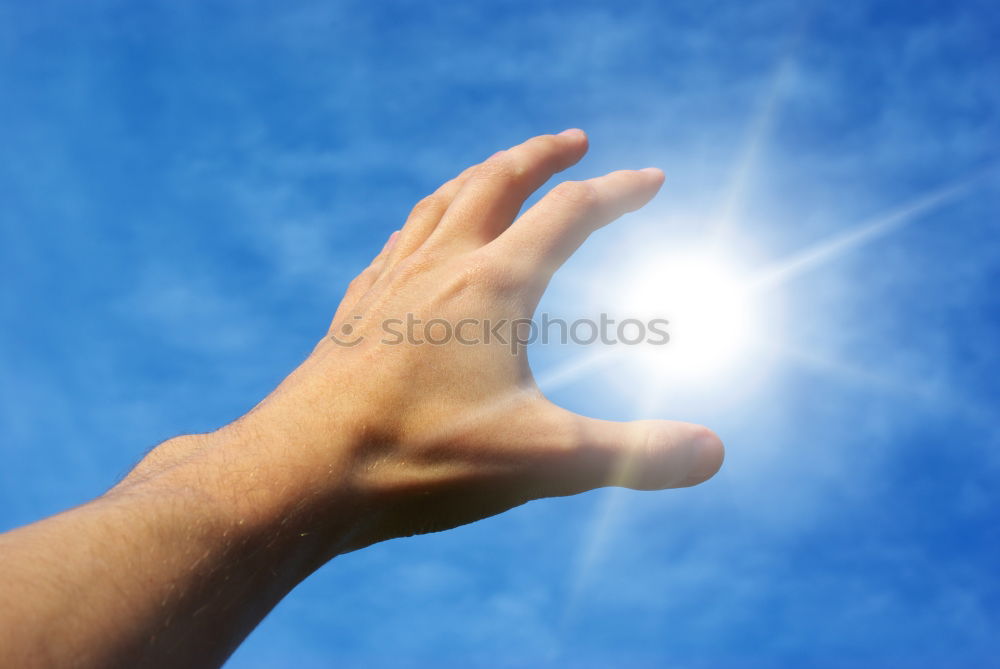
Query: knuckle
{"points": [[426, 206], [449, 189], [412, 266], [368, 274], [503, 165], [359, 281], [478, 271], [578, 194], [501, 273], [548, 144]]}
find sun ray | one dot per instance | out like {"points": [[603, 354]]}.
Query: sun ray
{"points": [[607, 510], [560, 375], [858, 236], [753, 147], [759, 128]]}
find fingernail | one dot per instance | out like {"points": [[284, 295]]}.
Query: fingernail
{"points": [[652, 170], [571, 132], [392, 240]]}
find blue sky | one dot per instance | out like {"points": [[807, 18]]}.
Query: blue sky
{"points": [[186, 188]]}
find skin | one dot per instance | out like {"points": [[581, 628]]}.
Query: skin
{"points": [[362, 443]]}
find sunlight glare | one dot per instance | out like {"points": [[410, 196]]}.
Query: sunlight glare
{"points": [[707, 304]]}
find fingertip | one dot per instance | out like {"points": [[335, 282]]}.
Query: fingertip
{"points": [[708, 454], [678, 455], [578, 140], [573, 133], [655, 172], [644, 188]]}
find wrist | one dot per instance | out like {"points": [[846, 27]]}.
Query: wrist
{"points": [[257, 487]]}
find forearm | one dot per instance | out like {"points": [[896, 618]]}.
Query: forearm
{"points": [[173, 567]]}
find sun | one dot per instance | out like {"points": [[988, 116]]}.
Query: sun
{"points": [[705, 306], [713, 321], [706, 303]]}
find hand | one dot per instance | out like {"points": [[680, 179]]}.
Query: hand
{"points": [[429, 436]]}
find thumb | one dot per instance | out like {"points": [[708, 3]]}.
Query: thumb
{"points": [[643, 454]]}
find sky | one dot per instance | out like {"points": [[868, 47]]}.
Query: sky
{"points": [[187, 187]]}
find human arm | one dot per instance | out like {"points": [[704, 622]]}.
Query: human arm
{"points": [[362, 443]]}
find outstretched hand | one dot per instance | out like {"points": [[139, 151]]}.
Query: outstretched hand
{"points": [[442, 424]]}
